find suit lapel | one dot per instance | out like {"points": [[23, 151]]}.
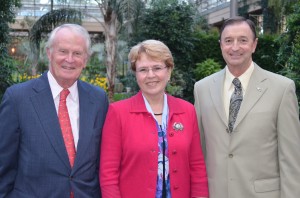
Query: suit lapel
{"points": [[216, 90], [44, 106], [86, 123], [256, 88]]}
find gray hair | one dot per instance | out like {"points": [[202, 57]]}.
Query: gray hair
{"points": [[75, 28]]}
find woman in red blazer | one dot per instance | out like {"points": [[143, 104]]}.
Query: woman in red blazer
{"points": [[151, 143]]}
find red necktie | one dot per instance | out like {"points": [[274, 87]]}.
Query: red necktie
{"points": [[65, 125]]}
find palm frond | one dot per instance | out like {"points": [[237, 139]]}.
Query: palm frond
{"points": [[47, 22]]}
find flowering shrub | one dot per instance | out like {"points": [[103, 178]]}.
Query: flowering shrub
{"points": [[96, 80], [24, 77]]}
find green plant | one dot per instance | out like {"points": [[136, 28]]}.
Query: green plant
{"points": [[7, 16], [129, 80], [172, 22], [207, 46], [176, 85], [206, 68], [7, 68], [266, 53], [95, 66], [289, 51], [121, 96], [292, 69]]}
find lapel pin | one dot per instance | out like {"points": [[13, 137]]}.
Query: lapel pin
{"points": [[177, 126]]}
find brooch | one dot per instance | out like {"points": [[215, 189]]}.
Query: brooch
{"points": [[177, 126]]}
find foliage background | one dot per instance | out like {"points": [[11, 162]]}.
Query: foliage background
{"points": [[194, 44], [7, 15]]}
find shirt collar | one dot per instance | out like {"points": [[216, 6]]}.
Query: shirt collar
{"points": [[164, 113], [56, 88], [244, 78]]}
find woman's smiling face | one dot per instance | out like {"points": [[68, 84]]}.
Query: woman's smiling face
{"points": [[152, 76]]}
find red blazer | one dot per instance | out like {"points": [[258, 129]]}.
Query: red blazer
{"points": [[128, 165]]}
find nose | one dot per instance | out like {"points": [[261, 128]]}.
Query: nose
{"points": [[69, 57], [150, 72], [235, 45]]}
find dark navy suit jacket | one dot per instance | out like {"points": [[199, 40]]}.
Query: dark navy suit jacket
{"points": [[33, 158]]}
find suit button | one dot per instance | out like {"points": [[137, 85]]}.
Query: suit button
{"points": [[174, 152], [230, 155], [176, 187], [171, 134], [174, 170]]}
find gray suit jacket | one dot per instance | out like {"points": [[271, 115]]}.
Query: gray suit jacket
{"points": [[33, 158], [261, 158]]}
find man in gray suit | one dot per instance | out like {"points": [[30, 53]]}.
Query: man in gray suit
{"points": [[49, 144], [250, 129]]}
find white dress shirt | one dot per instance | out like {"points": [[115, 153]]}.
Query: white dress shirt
{"points": [[229, 87], [72, 104]]}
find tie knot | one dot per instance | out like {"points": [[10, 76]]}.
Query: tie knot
{"points": [[237, 83], [64, 94]]}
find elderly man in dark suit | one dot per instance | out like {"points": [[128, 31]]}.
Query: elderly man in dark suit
{"points": [[50, 127]]}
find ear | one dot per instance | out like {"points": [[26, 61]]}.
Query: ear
{"points": [[220, 44], [254, 45], [170, 73]]}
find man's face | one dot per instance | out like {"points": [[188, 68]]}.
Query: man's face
{"points": [[67, 56], [237, 45]]}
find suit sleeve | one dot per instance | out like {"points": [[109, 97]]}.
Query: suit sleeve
{"points": [[111, 153], [9, 142], [199, 118], [101, 118], [199, 183], [288, 127]]}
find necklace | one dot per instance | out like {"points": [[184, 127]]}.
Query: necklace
{"points": [[157, 114]]}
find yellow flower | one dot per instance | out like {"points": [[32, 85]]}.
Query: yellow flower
{"points": [[24, 77], [98, 81]]}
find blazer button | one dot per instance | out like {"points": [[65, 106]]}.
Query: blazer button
{"points": [[230, 155], [174, 170], [171, 134], [174, 152], [176, 187]]}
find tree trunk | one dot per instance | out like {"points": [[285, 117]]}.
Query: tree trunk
{"points": [[111, 24]]}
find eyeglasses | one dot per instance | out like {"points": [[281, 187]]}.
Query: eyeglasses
{"points": [[156, 69]]}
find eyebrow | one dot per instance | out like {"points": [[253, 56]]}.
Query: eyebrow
{"points": [[230, 37]]}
